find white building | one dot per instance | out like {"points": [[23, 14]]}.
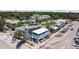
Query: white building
{"points": [[59, 21]]}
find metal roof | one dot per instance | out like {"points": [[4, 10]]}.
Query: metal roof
{"points": [[40, 30]]}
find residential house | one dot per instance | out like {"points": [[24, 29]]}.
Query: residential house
{"points": [[29, 20]]}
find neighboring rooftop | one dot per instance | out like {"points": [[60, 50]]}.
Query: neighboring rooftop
{"points": [[28, 27], [62, 20], [12, 21]]}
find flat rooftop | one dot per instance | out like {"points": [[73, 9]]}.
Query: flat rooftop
{"points": [[40, 30]]}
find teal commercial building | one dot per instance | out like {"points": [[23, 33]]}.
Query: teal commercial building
{"points": [[39, 34]]}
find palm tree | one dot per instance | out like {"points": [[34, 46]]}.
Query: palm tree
{"points": [[20, 34]]}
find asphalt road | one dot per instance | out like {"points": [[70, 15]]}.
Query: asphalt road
{"points": [[66, 41]]}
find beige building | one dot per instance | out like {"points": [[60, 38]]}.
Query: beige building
{"points": [[12, 21]]}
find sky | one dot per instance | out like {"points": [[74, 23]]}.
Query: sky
{"points": [[40, 5]]}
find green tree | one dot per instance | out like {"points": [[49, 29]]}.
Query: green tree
{"points": [[13, 26], [2, 23], [29, 23], [20, 33], [19, 24]]}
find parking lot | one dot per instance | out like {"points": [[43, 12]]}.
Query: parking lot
{"points": [[5, 41], [64, 41]]}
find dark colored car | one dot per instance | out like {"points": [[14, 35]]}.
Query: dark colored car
{"points": [[78, 29], [20, 44], [71, 29], [76, 40], [64, 30], [77, 33]]}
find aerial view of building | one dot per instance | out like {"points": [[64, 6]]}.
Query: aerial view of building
{"points": [[39, 34], [39, 30]]}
